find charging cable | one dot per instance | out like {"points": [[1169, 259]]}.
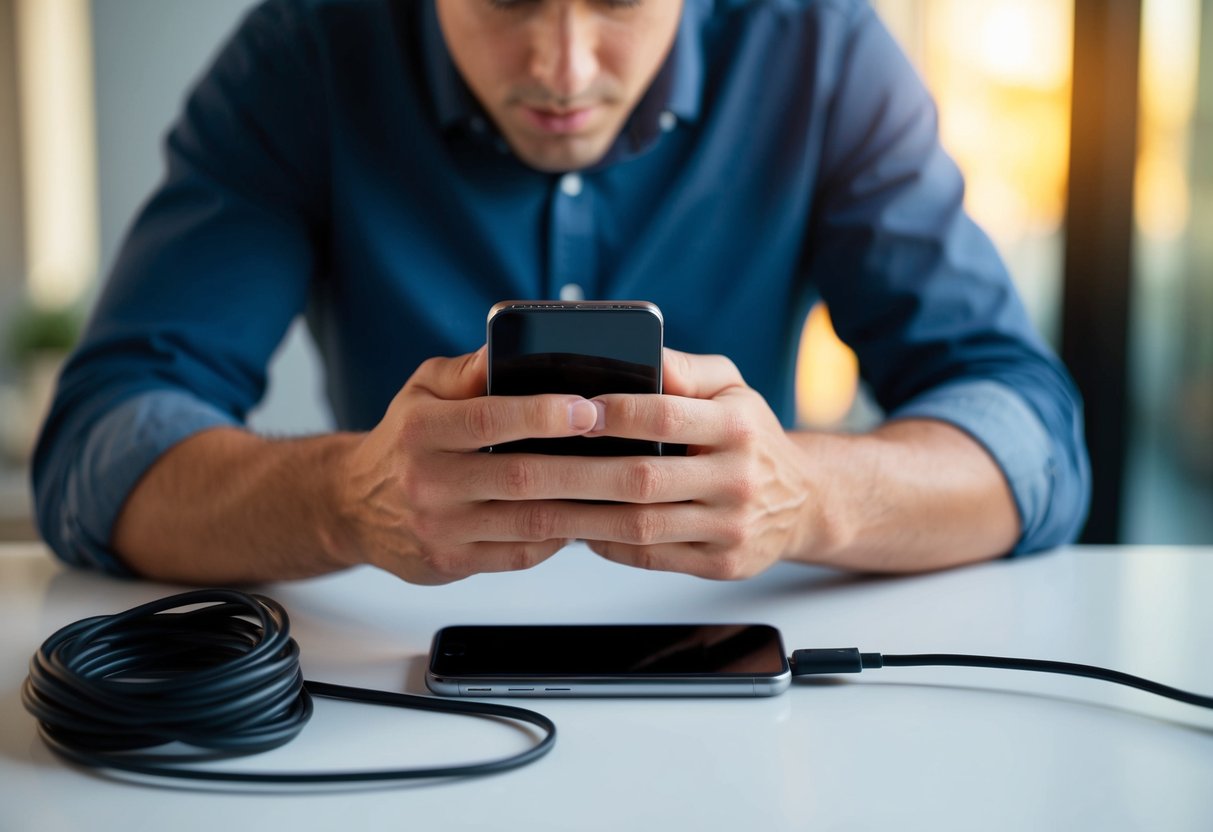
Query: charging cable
{"points": [[214, 674], [221, 680], [850, 660]]}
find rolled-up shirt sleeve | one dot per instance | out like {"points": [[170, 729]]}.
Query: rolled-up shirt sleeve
{"points": [[212, 273], [115, 453], [1001, 421]]}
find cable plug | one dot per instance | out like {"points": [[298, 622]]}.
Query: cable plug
{"points": [[820, 661]]}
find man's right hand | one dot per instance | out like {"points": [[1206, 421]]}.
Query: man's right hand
{"points": [[410, 494]]}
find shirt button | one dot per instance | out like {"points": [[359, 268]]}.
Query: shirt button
{"points": [[571, 291], [570, 183], [667, 121]]}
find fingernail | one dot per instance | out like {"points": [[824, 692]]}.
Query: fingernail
{"points": [[600, 420], [583, 415]]}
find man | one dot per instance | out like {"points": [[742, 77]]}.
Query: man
{"points": [[391, 169]]}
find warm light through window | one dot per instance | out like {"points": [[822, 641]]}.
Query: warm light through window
{"points": [[58, 147], [827, 373], [1169, 51]]}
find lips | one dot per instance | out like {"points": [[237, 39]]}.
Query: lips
{"points": [[558, 122]]}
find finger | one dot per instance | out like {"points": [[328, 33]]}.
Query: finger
{"points": [[492, 420], [535, 520], [630, 479], [698, 376], [513, 556], [461, 377], [461, 562], [668, 418], [689, 558]]}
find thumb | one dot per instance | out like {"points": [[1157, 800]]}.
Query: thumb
{"points": [[462, 377], [698, 376]]}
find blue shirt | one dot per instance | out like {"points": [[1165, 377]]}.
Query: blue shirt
{"points": [[333, 164]]}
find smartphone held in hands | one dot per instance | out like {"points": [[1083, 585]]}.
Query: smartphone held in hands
{"points": [[588, 348], [608, 660]]}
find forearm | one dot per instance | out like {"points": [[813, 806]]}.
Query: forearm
{"points": [[912, 495], [227, 506]]}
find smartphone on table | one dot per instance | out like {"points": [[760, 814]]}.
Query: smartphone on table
{"points": [[608, 660], [588, 348]]}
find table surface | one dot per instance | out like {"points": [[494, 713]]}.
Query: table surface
{"points": [[907, 748]]}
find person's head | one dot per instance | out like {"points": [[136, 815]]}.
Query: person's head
{"points": [[559, 77]]}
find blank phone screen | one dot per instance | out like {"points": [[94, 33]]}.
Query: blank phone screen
{"points": [[587, 352], [609, 650]]}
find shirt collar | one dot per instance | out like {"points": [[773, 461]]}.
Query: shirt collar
{"points": [[686, 61], [677, 88]]}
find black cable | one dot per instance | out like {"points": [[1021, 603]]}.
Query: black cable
{"points": [[850, 660], [153, 692], [106, 690]]}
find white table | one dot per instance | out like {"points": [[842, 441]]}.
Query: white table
{"points": [[912, 748]]}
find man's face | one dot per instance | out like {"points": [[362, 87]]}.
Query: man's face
{"points": [[559, 77]]}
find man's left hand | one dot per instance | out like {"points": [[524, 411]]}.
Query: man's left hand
{"points": [[739, 500]]}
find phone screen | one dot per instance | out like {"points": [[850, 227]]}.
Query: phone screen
{"points": [[642, 659], [587, 349]]}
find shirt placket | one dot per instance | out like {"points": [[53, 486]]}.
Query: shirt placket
{"points": [[571, 250]]}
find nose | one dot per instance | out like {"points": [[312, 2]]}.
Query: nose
{"points": [[564, 51]]}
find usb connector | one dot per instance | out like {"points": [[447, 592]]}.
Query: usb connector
{"points": [[832, 660]]}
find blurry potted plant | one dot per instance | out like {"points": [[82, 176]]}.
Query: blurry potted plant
{"points": [[39, 340]]}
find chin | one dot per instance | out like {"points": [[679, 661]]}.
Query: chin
{"points": [[562, 158]]}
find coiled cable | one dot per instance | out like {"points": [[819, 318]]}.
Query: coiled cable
{"points": [[156, 692]]}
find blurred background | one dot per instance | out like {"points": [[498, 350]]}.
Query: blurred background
{"points": [[1084, 128]]}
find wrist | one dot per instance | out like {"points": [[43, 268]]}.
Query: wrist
{"points": [[829, 525], [909, 496], [335, 518]]}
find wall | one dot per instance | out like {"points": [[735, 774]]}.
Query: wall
{"points": [[11, 243]]}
